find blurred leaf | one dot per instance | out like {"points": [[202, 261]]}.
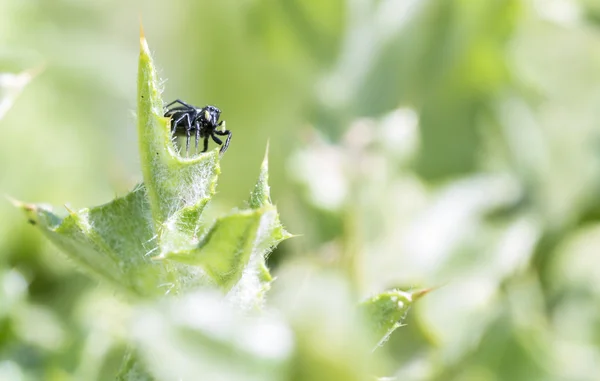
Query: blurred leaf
{"points": [[462, 70], [333, 343], [387, 310], [201, 337], [133, 370], [11, 86], [13, 289]]}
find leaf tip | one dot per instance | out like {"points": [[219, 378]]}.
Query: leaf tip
{"points": [[288, 235], [143, 43], [71, 211], [142, 35], [261, 194], [266, 158], [16, 203], [28, 208], [264, 166], [31, 210], [422, 292]]}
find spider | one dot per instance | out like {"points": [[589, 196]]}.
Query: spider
{"points": [[203, 121]]}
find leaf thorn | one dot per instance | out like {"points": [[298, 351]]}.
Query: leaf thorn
{"points": [[71, 212]]}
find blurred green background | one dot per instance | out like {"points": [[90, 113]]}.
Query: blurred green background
{"points": [[451, 144]]}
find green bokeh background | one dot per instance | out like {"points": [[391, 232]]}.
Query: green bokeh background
{"points": [[496, 200]]}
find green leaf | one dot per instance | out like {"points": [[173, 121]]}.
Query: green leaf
{"points": [[225, 250], [113, 241], [178, 188], [387, 310], [261, 194], [233, 252]]}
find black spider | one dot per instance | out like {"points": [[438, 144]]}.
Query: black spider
{"points": [[203, 121]]}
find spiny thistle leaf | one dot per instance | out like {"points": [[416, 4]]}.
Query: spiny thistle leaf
{"points": [[387, 310], [261, 194], [228, 244], [234, 250], [178, 188], [153, 241], [111, 241]]}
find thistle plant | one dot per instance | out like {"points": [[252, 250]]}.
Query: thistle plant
{"points": [[155, 242]]}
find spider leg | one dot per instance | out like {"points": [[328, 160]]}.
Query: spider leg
{"points": [[187, 142], [175, 123], [187, 106], [197, 135], [217, 140], [205, 144], [226, 145], [171, 111]]}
